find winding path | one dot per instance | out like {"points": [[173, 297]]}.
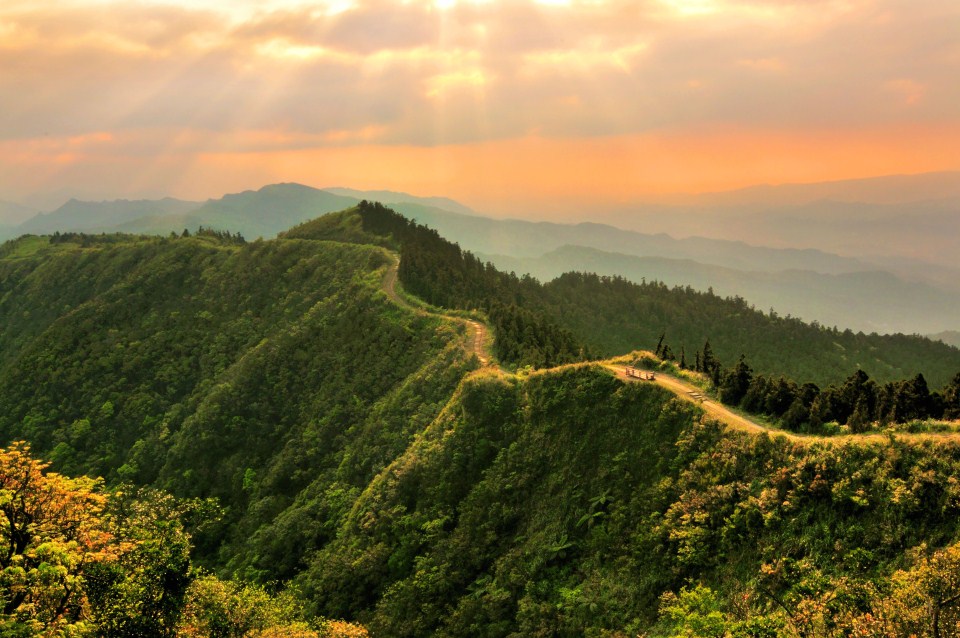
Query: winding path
{"points": [[716, 410], [477, 330], [479, 344], [693, 394], [736, 421]]}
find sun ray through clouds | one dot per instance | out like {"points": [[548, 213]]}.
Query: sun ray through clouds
{"points": [[127, 94]]}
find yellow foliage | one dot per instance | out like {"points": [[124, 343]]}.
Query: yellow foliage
{"points": [[50, 528], [341, 629]]}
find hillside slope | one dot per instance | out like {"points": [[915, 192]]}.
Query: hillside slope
{"points": [[860, 301], [360, 454], [243, 372], [577, 314], [568, 503]]}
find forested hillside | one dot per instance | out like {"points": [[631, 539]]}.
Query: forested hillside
{"points": [[253, 373], [580, 315], [442, 274], [569, 504], [619, 314], [353, 456]]}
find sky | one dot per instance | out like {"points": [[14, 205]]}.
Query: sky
{"points": [[509, 106]]}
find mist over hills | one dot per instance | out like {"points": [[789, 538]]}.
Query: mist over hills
{"points": [[107, 216], [898, 291], [885, 189], [520, 238], [12, 214], [911, 217], [922, 231], [830, 299]]}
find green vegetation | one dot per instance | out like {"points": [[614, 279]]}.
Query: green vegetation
{"points": [[572, 504], [283, 362], [580, 316], [362, 468], [613, 316], [80, 561], [859, 403], [440, 273]]}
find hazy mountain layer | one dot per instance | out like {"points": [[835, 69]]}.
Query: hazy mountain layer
{"points": [[861, 301], [12, 214], [950, 337], [922, 299], [925, 231], [102, 216], [516, 238]]}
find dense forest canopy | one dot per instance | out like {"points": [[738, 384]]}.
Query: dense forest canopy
{"points": [[79, 560], [355, 463], [580, 315]]}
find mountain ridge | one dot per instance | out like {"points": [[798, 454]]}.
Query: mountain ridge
{"points": [[829, 299], [360, 455]]}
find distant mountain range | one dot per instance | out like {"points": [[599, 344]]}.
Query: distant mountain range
{"points": [[872, 293], [12, 214], [928, 232], [887, 189], [857, 300], [914, 217], [98, 217]]}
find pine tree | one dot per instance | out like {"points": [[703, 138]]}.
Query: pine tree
{"points": [[736, 382], [707, 360], [951, 399], [860, 420]]}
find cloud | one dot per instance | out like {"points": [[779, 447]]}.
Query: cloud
{"points": [[192, 78]]}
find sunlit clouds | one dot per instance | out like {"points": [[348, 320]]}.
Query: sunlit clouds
{"points": [[630, 98]]}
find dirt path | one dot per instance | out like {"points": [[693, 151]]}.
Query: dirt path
{"points": [[478, 345], [694, 395], [477, 330], [736, 421]]}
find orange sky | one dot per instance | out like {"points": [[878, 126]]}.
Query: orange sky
{"points": [[512, 107]]}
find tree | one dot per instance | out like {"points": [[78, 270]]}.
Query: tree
{"points": [[926, 598], [856, 386], [707, 361], [780, 396], [796, 415], [736, 382], [52, 533], [142, 592], [860, 420], [951, 399]]}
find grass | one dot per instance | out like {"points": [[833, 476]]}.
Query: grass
{"points": [[31, 246]]}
